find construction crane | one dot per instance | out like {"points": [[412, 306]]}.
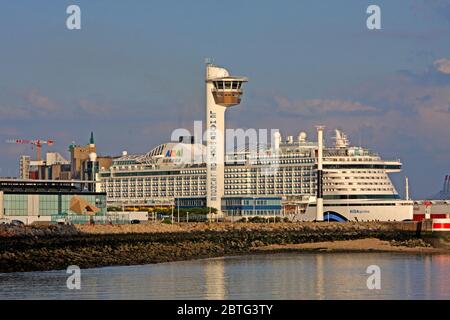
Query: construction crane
{"points": [[37, 143]]}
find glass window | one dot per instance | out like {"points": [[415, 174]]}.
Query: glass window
{"points": [[15, 205], [48, 205]]}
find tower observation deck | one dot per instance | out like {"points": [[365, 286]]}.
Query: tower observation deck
{"points": [[227, 91], [222, 91]]}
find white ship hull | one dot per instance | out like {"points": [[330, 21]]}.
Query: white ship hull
{"points": [[396, 210]]}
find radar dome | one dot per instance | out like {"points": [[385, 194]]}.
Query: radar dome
{"points": [[301, 137], [92, 156]]}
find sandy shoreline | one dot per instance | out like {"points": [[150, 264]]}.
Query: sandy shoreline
{"points": [[358, 245]]}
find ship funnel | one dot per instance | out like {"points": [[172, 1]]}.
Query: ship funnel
{"points": [[290, 139], [341, 139]]}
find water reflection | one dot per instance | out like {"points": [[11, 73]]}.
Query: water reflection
{"points": [[319, 277], [215, 279], [273, 276], [440, 265]]}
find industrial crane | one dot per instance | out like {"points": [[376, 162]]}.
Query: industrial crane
{"points": [[37, 142]]}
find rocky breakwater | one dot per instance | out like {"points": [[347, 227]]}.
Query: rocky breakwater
{"points": [[57, 247]]}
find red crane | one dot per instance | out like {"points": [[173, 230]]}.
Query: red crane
{"points": [[37, 142]]}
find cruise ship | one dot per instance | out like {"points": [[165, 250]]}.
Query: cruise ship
{"points": [[278, 179]]}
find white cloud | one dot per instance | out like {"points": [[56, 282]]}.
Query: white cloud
{"points": [[41, 103], [32, 105], [9, 112], [93, 108], [442, 65], [312, 107]]}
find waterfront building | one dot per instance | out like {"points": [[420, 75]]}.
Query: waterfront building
{"points": [[45, 201], [53, 167]]}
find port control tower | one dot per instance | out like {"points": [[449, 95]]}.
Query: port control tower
{"points": [[222, 91]]}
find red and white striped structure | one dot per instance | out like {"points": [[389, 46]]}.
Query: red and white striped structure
{"points": [[431, 209], [440, 225]]}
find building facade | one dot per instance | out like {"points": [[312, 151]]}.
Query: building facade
{"points": [[44, 201]]}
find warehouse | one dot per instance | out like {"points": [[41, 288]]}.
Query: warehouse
{"points": [[46, 201]]}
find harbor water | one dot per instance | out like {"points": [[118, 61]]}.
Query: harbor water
{"points": [[262, 276]]}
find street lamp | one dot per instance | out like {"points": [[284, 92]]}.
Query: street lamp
{"points": [[172, 213]]}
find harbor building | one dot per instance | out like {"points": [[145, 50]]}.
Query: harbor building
{"points": [[46, 201], [277, 179], [53, 167]]}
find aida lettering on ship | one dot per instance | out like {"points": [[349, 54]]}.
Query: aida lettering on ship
{"points": [[276, 179]]}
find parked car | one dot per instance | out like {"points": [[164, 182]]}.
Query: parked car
{"points": [[4, 221], [135, 221], [17, 223], [60, 221]]}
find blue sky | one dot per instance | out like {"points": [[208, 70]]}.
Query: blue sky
{"points": [[134, 72]]}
